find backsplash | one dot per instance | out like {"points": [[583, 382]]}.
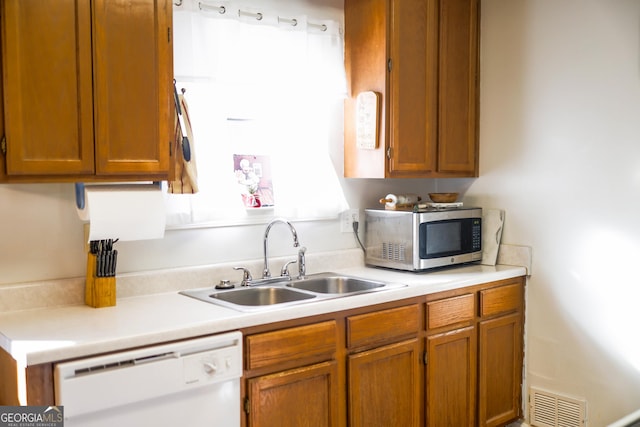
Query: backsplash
{"points": [[64, 292], [25, 296]]}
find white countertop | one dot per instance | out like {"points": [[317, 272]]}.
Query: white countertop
{"points": [[58, 333]]}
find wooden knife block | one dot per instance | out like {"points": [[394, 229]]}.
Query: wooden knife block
{"points": [[99, 291]]}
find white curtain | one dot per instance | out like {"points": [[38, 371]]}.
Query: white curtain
{"points": [[261, 87]]}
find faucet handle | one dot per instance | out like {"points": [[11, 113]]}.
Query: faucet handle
{"points": [[246, 276], [285, 268]]}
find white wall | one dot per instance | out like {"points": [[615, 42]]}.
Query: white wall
{"points": [[560, 151], [41, 236]]}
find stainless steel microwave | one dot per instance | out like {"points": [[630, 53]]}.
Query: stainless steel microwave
{"points": [[417, 241]]}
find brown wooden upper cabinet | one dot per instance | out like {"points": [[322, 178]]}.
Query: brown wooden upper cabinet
{"points": [[421, 58], [87, 90]]}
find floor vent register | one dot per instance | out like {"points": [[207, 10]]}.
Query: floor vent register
{"points": [[553, 410]]}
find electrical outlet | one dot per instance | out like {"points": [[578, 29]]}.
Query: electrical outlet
{"points": [[347, 218]]}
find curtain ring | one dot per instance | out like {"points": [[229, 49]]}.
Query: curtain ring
{"points": [[257, 15], [203, 6], [291, 21], [321, 27]]}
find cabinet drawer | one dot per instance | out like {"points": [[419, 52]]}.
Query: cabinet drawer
{"points": [[500, 299], [382, 326], [450, 311], [299, 343]]}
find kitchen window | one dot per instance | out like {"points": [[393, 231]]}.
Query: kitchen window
{"points": [[263, 82]]}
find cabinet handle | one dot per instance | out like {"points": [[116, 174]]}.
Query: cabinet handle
{"points": [[389, 153], [389, 64]]}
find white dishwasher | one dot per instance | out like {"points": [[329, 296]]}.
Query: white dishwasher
{"points": [[192, 383]]}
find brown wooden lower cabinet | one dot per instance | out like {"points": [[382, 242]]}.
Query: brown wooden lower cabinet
{"points": [[306, 396], [450, 359], [384, 386], [451, 378], [375, 377], [500, 369], [474, 355]]}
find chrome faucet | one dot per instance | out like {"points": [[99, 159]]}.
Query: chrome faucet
{"points": [[265, 272]]}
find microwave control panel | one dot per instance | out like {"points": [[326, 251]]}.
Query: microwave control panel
{"points": [[476, 235]]}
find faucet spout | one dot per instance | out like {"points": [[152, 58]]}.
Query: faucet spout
{"points": [[265, 272]]}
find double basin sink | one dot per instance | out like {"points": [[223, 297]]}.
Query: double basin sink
{"points": [[286, 292]]}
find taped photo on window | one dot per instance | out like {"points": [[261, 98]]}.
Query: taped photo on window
{"points": [[253, 175]]}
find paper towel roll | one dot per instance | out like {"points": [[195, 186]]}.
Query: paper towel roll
{"points": [[124, 211]]}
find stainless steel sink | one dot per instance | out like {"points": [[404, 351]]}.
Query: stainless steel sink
{"points": [[259, 296], [274, 293], [251, 298], [336, 284]]}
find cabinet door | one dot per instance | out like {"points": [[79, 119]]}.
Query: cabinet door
{"points": [[458, 87], [428, 83], [48, 87], [365, 60], [384, 386], [451, 378], [500, 366], [413, 93], [132, 72], [307, 396]]}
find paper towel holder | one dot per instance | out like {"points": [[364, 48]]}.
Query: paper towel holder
{"points": [[80, 199]]}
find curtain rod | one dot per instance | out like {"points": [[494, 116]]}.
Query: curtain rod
{"points": [[258, 15]]}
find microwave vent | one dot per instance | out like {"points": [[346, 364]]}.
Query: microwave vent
{"points": [[393, 251]]}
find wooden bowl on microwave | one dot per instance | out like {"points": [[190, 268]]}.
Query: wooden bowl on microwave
{"points": [[443, 197]]}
